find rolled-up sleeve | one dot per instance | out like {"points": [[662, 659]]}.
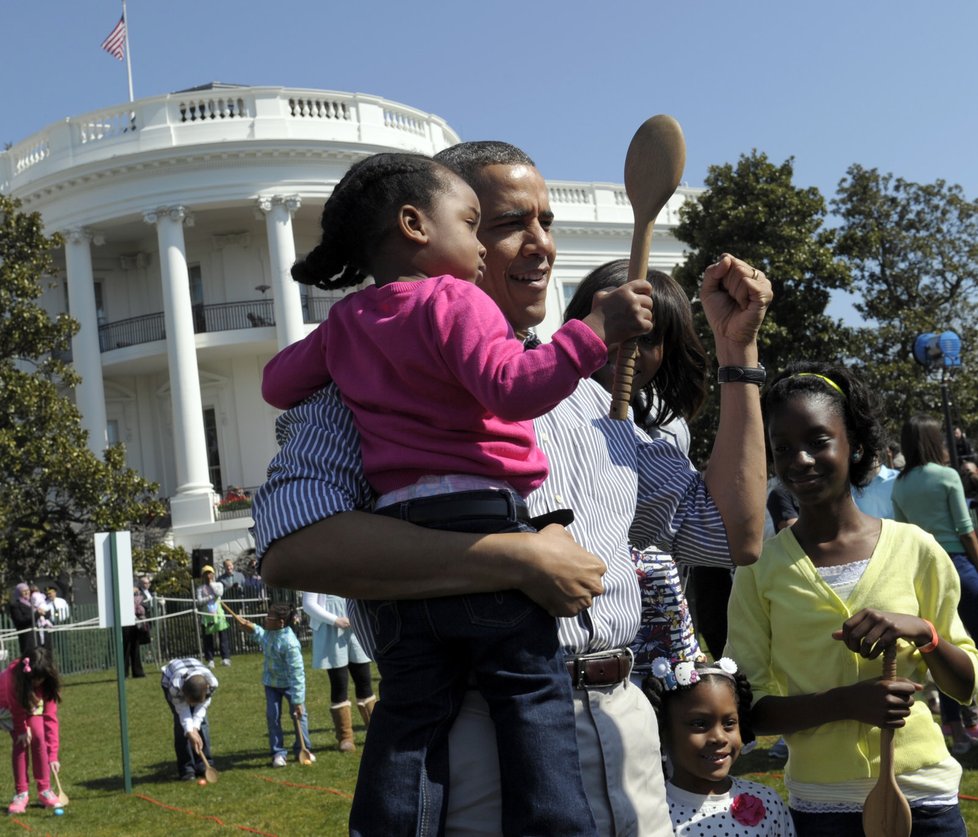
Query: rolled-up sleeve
{"points": [[316, 473], [674, 510]]}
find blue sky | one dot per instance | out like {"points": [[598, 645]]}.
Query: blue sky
{"points": [[887, 85]]}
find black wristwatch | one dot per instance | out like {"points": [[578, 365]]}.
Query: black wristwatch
{"points": [[742, 375]]}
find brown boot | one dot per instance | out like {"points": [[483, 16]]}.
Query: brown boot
{"points": [[366, 707], [343, 723]]}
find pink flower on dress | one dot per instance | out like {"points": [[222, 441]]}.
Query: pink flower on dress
{"points": [[747, 809]]}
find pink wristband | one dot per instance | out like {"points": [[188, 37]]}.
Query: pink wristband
{"points": [[935, 640]]}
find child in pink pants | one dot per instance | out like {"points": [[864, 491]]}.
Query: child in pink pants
{"points": [[30, 689]]}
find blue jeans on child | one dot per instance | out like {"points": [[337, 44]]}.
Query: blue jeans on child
{"points": [[926, 822], [428, 651], [273, 715]]}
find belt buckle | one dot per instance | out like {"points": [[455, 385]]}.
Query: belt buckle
{"points": [[579, 672], [617, 654]]}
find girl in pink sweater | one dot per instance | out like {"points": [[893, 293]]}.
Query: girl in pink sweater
{"points": [[30, 690], [443, 395]]}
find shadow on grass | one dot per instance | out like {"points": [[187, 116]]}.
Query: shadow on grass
{"points": [[166, 771]]}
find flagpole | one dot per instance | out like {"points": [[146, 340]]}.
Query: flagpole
{"points": [[125, 26]]}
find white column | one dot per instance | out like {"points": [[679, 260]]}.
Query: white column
{"points": [[85, 350], [286, 299], [192, 502]]}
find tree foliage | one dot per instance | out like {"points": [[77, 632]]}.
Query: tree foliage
{"points": [[913, 251], [753, 211], [56, 493]]}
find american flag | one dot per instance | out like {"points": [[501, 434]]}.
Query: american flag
{"points": [[115, 44]]}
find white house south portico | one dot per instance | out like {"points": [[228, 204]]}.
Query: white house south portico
{"points": [[181, 217]]}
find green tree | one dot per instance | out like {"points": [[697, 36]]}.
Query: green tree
{"points": [[913, 252], [754, 211], [55, 493]]}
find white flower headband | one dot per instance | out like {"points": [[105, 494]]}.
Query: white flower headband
{"points": [[685, 674]]}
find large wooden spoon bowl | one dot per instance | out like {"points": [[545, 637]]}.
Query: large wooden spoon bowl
{"points": [[654, 166]]}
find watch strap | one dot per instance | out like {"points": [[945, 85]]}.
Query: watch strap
{"points": [[742, 375]]}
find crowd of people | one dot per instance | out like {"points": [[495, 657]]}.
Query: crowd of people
{"points": [[541, 669], [630, 499]]}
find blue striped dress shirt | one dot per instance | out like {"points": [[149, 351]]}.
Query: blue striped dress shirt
{"points": [[623, 487]]}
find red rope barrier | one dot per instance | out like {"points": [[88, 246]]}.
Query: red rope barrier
{"points": [[217, 820], [344, 794]]}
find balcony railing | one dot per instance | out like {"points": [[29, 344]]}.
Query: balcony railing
{"points": [[220, 116], [208, 319]]}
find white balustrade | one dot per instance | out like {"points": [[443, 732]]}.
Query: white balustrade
{"points": [[245, 114]]}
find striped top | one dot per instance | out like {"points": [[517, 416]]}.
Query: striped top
{"points": [[175, 674], [623, 487]]}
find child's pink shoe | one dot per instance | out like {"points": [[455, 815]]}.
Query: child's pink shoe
{"points": [[19, 804], [49, 799]]}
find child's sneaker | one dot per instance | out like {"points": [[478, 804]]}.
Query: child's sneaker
{"points": [[49, 799], [19, 804], [278, 761]]}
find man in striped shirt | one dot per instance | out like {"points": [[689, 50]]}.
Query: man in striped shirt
{"points": [[623, 487]]}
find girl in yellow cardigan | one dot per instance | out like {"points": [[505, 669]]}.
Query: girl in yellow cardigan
{"points": [[810, 621]]}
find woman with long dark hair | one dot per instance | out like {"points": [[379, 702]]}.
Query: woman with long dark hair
{"points": [[929, 493], [667, 391]]}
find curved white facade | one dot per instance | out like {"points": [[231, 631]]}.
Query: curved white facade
{"points": [[181, 217]]}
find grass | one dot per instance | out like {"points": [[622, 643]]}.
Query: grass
{"points": [[251, 797]]}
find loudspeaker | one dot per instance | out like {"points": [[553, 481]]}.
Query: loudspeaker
{"points": [[200, 558]]}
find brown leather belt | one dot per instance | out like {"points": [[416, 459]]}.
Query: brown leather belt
{"points": [[606, 668]]}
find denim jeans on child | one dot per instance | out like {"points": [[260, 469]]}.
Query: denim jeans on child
{"points": [[428, 652], [926, 822], [273, 715]]}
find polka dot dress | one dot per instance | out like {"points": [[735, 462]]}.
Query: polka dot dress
{"points": [[695, 815]]}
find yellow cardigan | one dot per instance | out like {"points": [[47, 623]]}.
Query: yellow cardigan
{"points": [[781, 618]]}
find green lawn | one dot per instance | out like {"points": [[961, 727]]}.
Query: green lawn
{"points": [[251, 797]]}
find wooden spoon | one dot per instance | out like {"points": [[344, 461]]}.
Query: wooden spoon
{"points": [[886, 812], [653, 168], [305, 757], [62, 796], [210, 773], [231, 612]]}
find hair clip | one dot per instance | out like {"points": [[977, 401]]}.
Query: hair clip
{"points": [[684, 674], [27, 665]]}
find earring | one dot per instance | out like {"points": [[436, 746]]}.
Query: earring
{"points": [[856, 456]]}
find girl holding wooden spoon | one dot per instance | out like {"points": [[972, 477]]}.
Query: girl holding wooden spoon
{"points": [[810, 620]]}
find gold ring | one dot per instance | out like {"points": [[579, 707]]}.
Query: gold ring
{"points": [[754, 274]]}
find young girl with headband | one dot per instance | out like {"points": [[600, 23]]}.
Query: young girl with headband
{"points": [[704, 721], [30, 690], [442, 394], [811, 620]]}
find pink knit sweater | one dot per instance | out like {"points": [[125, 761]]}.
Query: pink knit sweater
{"points": [[436, 380]]}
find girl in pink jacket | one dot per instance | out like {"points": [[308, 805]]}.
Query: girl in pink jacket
{"points": [[30, 690]]}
